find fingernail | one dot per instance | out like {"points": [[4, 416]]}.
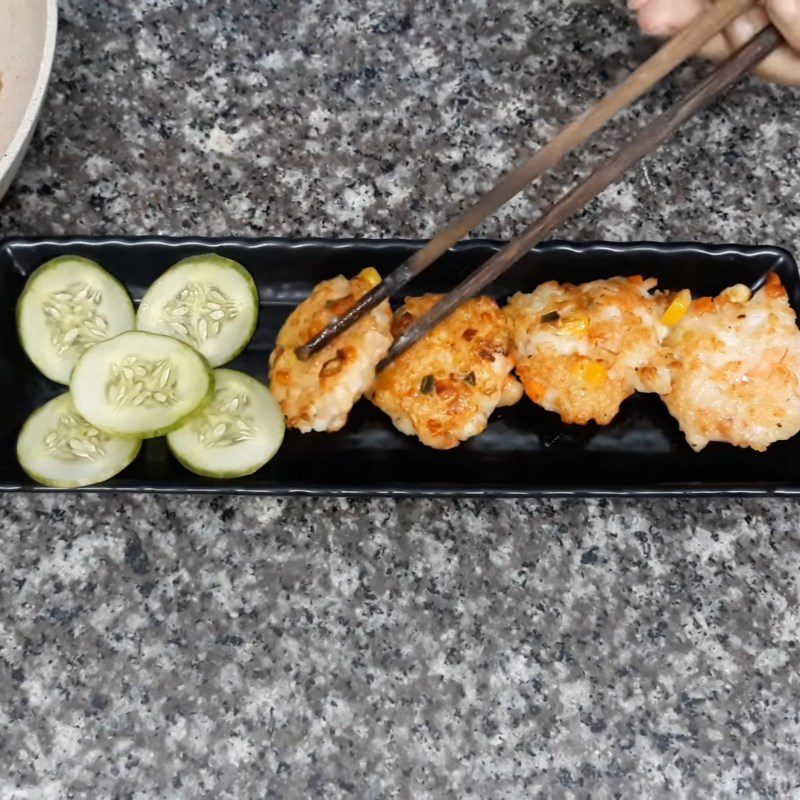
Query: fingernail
{"points": [[746, 26]]}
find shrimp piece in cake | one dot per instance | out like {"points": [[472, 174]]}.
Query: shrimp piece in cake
{"points": [[734, 362], [317, 394], [581, 350], [444, 388]]}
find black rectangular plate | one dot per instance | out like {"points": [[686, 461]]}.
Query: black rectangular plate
{"points": [[525, 451]]}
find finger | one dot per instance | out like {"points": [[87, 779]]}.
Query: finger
{"points": [[785, 14], [716, 49], [667, 17], [782, 66], [745, 27]]}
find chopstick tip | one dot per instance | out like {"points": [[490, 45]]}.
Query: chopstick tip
{"points": [[304, 351]]}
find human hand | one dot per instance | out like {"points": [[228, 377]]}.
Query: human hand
{"points": [[667, 17]]}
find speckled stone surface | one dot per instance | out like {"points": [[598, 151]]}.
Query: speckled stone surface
{"points": [[258, 648]]}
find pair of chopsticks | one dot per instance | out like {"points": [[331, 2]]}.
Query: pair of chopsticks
{"points": [[677, 50]]}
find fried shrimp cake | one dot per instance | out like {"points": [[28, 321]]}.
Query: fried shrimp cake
{"points": [[317, 395], [734, 362], [581, 350], [445, 387]]}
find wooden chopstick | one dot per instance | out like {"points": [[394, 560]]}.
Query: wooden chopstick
{"points": [[632, 151], [673, 53]]}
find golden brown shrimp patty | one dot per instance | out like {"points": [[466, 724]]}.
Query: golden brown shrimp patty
{"points": [[444, 388], [735, 369], [581, 350], [317, 395]]}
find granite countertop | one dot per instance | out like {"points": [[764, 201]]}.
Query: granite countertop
{"points": [[160, 647]]}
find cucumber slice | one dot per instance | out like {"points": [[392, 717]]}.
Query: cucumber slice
{"points": [[207, 301], [236, 434], [68, 305], [140, 384], [58, 447]]}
